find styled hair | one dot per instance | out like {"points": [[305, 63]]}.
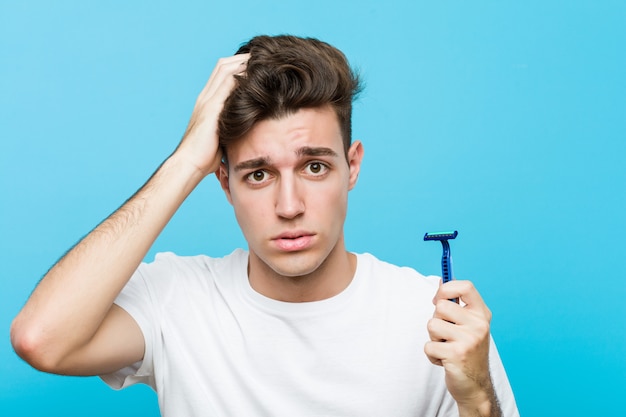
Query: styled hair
{"points": [[283, 75]]}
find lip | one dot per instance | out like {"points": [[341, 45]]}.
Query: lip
{"points": [[293, 241]]}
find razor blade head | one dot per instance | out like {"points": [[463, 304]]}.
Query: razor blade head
{"points": [[441, 235]]}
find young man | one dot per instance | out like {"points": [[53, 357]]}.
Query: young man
{"points": [[295, 325]]}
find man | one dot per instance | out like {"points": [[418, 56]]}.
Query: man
{"points": [[295, 325]]}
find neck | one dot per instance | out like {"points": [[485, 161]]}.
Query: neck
{"points": [[327, 280]]}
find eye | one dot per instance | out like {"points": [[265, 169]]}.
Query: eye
{"points": [[257, 176], [316, 168]]}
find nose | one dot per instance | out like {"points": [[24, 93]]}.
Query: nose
{"points": [[289, 198]]}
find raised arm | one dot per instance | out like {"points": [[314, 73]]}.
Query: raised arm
{"points": [[69, 324]]}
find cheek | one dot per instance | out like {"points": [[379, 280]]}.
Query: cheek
{"points": [[249, 211], [251, 221], [331, 200]]}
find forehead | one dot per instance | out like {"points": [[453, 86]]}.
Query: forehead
{"points": [[277, 139]]}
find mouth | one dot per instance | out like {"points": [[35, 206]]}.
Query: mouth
{"points": [[293, 241]]}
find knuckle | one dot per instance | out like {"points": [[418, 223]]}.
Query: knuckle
{"points": [[468, 286], [431, 325], [459, 351], [482, 330], [441, 304], [488, 315]]}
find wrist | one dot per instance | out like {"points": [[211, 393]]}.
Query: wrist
{"points": [[172, 182], [183, 167], [201, 157]]}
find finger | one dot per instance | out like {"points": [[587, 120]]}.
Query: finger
{"points": [[473, 333], [456, 343], [441, 330], [465, 290], [464, 322], [224, 72], [229, 63], [450, 311], [432, 353], [438, 352]]}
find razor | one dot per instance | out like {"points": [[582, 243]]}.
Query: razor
{"points": [[446, 261]]}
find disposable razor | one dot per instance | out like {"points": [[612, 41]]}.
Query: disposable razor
{"points": [[446, 260]]}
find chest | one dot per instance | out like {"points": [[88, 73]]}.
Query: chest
{"points": [[365, 361]]}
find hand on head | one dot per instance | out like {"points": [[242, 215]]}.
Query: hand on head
{"points": [[200, 144]]}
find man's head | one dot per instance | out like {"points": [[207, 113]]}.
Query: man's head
{"points": [[285, 131], [285, 74]]}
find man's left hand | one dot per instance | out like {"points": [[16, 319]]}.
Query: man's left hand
{"points": [[459, 341]]}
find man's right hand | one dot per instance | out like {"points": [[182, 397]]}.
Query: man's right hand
{"points": [[200, 143]]}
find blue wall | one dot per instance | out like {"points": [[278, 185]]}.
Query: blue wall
{"points": [[505, 120]]}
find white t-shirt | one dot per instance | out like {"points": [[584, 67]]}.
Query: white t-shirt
{"points": [[216, 347]]}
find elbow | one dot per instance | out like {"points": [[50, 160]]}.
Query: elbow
{"points": [[29, 343]]}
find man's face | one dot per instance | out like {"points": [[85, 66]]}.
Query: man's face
{"points": [[288, 181]]}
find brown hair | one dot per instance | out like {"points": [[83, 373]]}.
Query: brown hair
{"points": [[284, 74]]}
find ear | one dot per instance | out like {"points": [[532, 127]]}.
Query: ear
{"points": [[355, 156], [222, 176]]}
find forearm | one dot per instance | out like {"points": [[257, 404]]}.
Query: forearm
{"points": [[70, 302], [484, 405]]}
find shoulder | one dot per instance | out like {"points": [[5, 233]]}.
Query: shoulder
{"points": [[169, 269], [400, 291], [386, 273], [172, 262], [372, 263]]}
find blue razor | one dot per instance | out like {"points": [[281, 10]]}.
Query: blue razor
{"points": [[446, 261]]}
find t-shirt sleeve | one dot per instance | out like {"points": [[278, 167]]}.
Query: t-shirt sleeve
{"points": [[138, 299]]}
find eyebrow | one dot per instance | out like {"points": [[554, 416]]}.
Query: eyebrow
{"points": [[317, 151], [263, 161], [252, 164]]}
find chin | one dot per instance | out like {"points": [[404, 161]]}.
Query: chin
{"points": [[292, 265], [294, 268]]}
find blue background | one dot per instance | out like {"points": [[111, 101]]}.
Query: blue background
{"points": [[503, 119]]}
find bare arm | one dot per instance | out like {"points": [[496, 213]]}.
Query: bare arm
{"points": [[70, 325], [460, 339]]}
